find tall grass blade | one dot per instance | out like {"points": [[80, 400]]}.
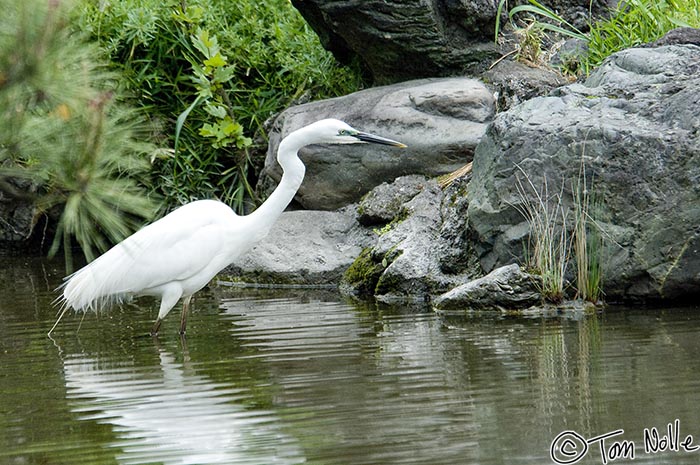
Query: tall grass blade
{"points": [[538, 9], [499, 12], [182, 117]]}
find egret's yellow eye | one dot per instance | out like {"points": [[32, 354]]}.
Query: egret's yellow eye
{"points": [[344, 132]]}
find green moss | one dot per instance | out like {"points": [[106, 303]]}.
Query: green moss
{"points": [[364, 273], [402, 214], [384, 229], [459, 194], [260, 277], [388, 284]]}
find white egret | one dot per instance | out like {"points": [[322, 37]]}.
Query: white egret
{"points": [[179, 254]]}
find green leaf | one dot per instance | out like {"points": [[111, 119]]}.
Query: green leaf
{"points": [[207, 45], [230, 127], [216, 61], [215, 110], [209, 130], [563, 31], [244, 142], [192, 14], [182, 118], [679, 22], [223, 74]]}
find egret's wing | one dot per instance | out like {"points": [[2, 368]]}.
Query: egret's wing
{"points": [[173, 248]]}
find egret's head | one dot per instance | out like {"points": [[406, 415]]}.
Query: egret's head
{"points": [[333, 131]]}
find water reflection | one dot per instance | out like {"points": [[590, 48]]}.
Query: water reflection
{"points": [[172, 415], [374, 387]]}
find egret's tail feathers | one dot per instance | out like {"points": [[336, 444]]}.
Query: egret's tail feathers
{"points": [[61, 312], [84, 291]]}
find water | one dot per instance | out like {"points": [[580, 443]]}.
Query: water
{"points": [[308, 377]]}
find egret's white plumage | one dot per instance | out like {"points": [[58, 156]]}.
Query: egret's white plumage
{"points": [[179, 254]]}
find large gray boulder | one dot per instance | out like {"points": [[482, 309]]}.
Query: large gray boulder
{"points": [[385, 203], [634, 126], [397, 40], [441, 121], [407, 248]]}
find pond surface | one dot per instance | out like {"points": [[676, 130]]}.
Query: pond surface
{"points": [[309, 377]]}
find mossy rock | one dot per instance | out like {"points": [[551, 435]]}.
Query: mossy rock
{"points": [[364, 273]]}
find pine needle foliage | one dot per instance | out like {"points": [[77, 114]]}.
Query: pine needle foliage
{"points": [[63, 130]]}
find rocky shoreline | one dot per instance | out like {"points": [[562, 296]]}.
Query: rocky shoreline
{"points": [[442, 221], [632, 125]]}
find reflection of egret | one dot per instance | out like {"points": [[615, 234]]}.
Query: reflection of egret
{"points": [[179, 254], [175, 416]]}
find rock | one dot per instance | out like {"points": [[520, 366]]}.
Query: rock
{"points": [[400, 265], [404, 263], [384, 203], [679, 36], [16, 220], [413, 269], [569, 57], [304, 248], [400, 259], [441, 121], [505, 288], [395, 259], [17, 212], [517, 82], [634, 126], [397, 40], [454, 251]]}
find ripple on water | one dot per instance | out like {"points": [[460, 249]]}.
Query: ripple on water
{"points": [[170, 414], [361, 398], [312, 379]]}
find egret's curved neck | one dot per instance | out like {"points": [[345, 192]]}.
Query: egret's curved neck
{"points": [[292, 175]]}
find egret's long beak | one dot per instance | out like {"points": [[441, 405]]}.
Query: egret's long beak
{"points": [[371, 138]]}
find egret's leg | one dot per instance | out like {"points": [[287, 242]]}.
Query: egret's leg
{"points": [[185, 309], [170, 297], [156, 327]]}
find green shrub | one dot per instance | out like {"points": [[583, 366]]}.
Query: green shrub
{"points": [[63, 129], [224, 68]]}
